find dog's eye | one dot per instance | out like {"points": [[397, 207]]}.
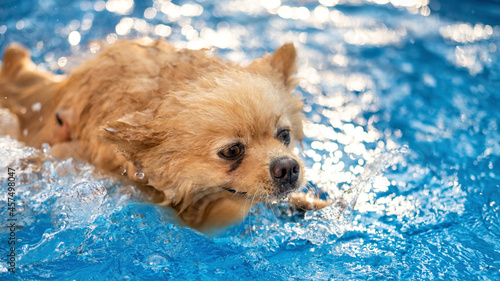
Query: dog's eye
{"points": [[284, 136], [232, 152]]}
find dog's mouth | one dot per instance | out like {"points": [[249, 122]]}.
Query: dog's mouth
{"points": [[234, 191], [269, 197]]}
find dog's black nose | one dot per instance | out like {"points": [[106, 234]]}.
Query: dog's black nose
{"points": [[286, 171]]}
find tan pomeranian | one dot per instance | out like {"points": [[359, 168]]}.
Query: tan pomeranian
{"points": [[213, 136]]}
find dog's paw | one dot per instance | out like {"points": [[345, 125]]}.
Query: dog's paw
{"points": [[307, 202]]}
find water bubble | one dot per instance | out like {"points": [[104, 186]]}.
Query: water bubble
{"points": [[156, 262], [139, 175], [46, 148], [36, 106]]}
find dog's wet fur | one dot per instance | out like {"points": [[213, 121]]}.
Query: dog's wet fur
{"points": [[213, 136]]}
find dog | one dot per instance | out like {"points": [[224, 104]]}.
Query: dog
{"points": [[213, 137]]}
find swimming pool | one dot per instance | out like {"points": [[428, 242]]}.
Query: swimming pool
{"points": [[402, 99]]}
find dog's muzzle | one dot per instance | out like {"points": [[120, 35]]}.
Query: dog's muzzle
{"points": [[285, 172]]}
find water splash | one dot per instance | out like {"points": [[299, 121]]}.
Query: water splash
{"points": [[79, 206], [332, 222]]}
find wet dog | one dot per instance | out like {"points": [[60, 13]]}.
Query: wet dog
{"points": [[214, 137]]}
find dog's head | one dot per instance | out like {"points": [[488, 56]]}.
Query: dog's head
{"points": [[228, 134]]}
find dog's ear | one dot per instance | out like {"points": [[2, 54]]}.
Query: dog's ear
{"points": [[283, 61], [14, 59], [133, 132]]}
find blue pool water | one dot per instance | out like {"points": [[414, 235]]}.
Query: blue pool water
{"points": [[402, 100]]}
